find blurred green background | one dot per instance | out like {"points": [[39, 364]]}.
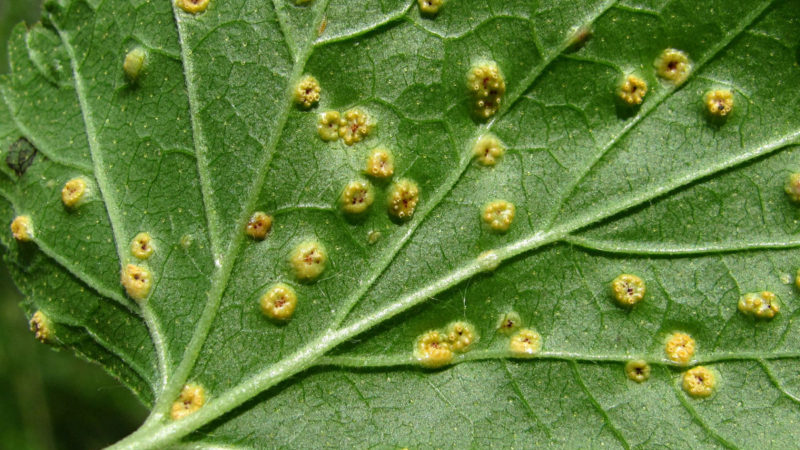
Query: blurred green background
{"points": [[51, 399]]}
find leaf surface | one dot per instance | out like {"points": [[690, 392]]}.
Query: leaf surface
{"points": [[209, 133]]}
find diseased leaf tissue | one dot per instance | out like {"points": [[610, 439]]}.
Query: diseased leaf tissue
{"points": [[416, 224]]}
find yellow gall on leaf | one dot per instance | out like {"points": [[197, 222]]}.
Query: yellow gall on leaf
{"points": [[328, 125], [488, 149], [142, 246], [192, 6], [354, 126], [761, 305], [628, 289], [699, 382], [673, 66], [632, 90], [357, 197], [499, 215], [306, 92], [487, 86], [42, 327], [22, 228], [719, 103], [134, 63], [430, 7], [279, 302], [489, 260], [509, 322], [526, 343], [259, 225], [792, 187], [74, 192], [637, 370], [461, 335], [433, 350], [137, 281], [308, 260], [680, 348], [403, 199], [380, 163], [191, 399]]}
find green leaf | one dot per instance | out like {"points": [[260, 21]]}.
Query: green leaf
{"points": [[207, 133]]}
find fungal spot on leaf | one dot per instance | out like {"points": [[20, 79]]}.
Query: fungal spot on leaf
{"points": [[509, 322], [461, 335], [357, 197], [186, 241], [637, 370], [308, 260], [380, 163], [42, 327], [354, 126], [403, 199], [134, 63], [719, 103], [433, 350], [628, 289], [259, 225], [137, 281], [488, 149], [279, 302], [328, 125], [761, 305], [74, 192], [430, 7], [22, 228], [192, 6], [142, 245], [680, 348], [699, 382], [526, 343], [306, 92], [673, 66], [632, 90], [488, 261], [498, 215], [487, 86], [20, 156], [792, 187], [191, 399], [373, 236]]}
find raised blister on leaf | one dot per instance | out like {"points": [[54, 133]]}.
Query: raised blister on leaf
{"points": [[637, 370], [488, 149], [306, 91], [356, 197], [509, 322], [628, 289], [761, 305], [75, 192], [792, 187], [42, 327], [699, 382], [22, 228], [279, 302], [673, 65], [432, 349], [525, 343], [487, 86], [461, 335], [354, 126], [328, 125], [719, 103], [308, 260], [489, 260], [403, 199], [498, 215], [679, 348], [191, 399], [134, 63], [380, 163], [142, 245], [632, 90], [137, 281], [192, 6], [259, 225], [430, 7]]}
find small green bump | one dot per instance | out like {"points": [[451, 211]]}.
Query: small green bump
{"points": [[461, 335], [488, 261], [308, 260], [403, 199], [306, 92], [509, 322], [328, 125], [430, 7], [357, 197], [279, 302], [488, 149], [792, 187], [354, 126], [134, 64], [186, 241]]}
